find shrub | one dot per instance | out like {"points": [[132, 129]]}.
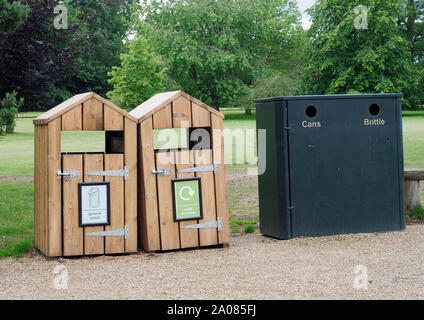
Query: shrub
{"points": [[9, 108], [416, 214], [249, 229]]}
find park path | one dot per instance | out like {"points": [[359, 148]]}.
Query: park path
{"points": [[253, 267]]}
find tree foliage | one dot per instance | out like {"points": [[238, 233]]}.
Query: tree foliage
{"points": [[343, 59], [141, 76], [9, 108], [36, 57], [216, 49], [12, 15], [105, 23], [411, 21]]}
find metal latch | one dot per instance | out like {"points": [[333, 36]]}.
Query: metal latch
{"points": [[212, 167], [112, 233], [162, 172], [206, 225], [112, 173], [67, 174]]}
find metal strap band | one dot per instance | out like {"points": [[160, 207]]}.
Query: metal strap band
{"points": [[112, 233], [112, 173], [206, 225]]}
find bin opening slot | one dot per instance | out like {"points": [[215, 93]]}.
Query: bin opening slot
{"points": [[200, 138], [311, 111], [374, 109], [83, 141], [172, 139], [114, 141], [176, 139]]}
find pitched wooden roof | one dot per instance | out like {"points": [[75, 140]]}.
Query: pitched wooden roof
{"points": [[160, 100], [74, 102]]}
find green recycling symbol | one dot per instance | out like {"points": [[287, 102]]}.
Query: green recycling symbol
{"points": [[190, 192]]}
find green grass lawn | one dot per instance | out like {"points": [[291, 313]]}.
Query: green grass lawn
{"points": [[17, 150], [16, 218], [413, 138], [16, 159]]}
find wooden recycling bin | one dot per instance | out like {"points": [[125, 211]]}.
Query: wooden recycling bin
{"points": [[177, 182], [85, 203]]}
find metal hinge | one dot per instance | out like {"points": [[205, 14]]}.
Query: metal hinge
{"points": [[112, 233], [206, 225], [161, 172], [212, 167], [112, 173], [291, 209], [288, 128], [67, 174]]}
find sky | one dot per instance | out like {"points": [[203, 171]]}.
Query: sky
{"points": [[303, 5]]}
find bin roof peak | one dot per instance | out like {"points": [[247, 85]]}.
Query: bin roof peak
{"points": [[160, 100], [74, 102]]}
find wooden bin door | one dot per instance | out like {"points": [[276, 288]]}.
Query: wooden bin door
{"points": [[185, 164], [93, 240]]}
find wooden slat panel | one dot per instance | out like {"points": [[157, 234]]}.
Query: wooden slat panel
{"points": [[114, 121], [93, 115], [201, 116], [114, 107], [154, 104], [189, 237], [157, 102], [162, 119], [93, 245], [54, 189], [37, 188], [44, 186], [130, 148], [71, 103], [62, 108], [73, 237], [115, 244], [41, 183], [169, 230], [220, 179], [72, 120], [149, 224], [208, 237], [181, 113]]}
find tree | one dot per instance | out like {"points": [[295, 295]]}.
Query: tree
{"points": [[36, 57], [141, 76], [411, 22], [12, 15], [9, 108], [105, 22], [216, 49], [345, 59], [273, 85]]}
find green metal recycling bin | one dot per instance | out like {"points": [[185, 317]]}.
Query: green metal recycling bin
{"points": [[330, 165]]}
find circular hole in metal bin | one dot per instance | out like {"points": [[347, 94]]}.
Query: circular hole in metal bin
{"points": [[374, 109], [311, 111]]}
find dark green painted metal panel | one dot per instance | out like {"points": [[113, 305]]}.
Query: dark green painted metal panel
{"points": [[341, 170], [274, 195]]}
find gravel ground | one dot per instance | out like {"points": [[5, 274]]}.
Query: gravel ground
{"points": [[253, 267]]}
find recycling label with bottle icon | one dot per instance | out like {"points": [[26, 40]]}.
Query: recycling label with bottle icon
{"points": [[187, 196], [94, 204]]}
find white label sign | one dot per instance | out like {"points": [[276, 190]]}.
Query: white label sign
{"points": [[94, 204]]}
